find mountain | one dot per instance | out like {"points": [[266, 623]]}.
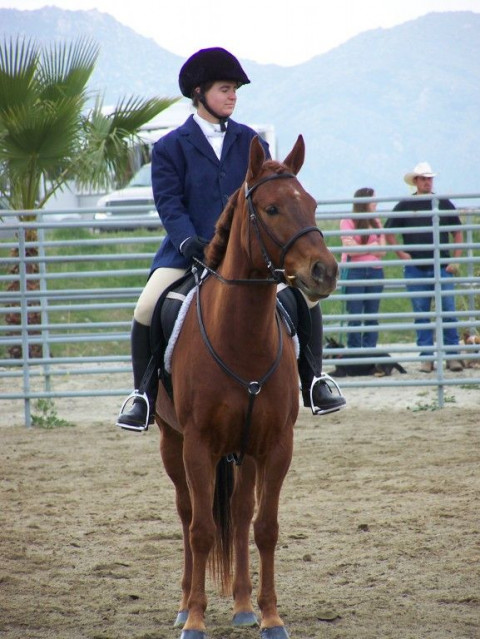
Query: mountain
{"points": [[128, 63], [369, 109]]}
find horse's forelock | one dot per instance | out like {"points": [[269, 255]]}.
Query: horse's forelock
{"points": [[272, 166]]}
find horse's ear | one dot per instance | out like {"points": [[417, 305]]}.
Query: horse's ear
{"points": [[257, 158], [294, 160]]}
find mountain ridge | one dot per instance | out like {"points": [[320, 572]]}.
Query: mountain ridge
{"points": [[369, 109]]}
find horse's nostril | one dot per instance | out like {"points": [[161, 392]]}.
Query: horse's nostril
{"points": [[318, 272]]}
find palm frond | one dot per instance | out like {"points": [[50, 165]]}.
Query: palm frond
{"points": [[133, 112], [65, 68], [111, 137], [45, 138], [47, 132], [18, 64]]}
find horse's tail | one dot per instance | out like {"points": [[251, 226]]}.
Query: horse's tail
{"points": [[222, 555]]}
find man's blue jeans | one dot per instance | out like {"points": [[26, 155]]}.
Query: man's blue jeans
{"points": [[424, 305], [365, 339]]}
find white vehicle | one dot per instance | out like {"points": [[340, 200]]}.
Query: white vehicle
{"points": [[130, 204]]}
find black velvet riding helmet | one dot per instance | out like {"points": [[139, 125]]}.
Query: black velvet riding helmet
{"points": [[210, 65]]}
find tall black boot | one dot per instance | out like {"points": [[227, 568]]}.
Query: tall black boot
{"points": [[142, 411], [319, 391]]}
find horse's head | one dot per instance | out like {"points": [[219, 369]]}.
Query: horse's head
{"points": [[282, 215]]}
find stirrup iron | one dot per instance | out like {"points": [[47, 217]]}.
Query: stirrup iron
{"points": [[333, 386], [135, 395]]}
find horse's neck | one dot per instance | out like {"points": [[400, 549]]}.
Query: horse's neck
{"points": [[243, 307]]}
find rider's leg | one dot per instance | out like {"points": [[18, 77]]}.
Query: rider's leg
{"points": [[316, 386], [141, 412]]}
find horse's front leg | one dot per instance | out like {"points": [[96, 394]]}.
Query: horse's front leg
{"points": [[171, 449], [243, 503], [270, 475], [200, 470]]}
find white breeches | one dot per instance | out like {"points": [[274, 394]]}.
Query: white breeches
{"points": [[159, 280]]}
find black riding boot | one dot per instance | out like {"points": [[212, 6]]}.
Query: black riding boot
{"points": [[319, 391], [142, 411]]}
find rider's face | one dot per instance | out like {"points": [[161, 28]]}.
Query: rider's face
{"points": [[221, 98]]}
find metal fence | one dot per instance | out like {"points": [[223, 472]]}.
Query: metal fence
{"points": [[68, 288]]}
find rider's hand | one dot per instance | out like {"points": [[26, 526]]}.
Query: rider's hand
{"points": [[194, 247]]}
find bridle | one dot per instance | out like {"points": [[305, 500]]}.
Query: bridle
{"points": [[277, 275]]}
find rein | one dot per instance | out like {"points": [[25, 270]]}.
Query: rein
{"points": [[277, 275], [252, 387]]}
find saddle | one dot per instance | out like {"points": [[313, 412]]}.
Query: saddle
{"points": [[164, 318], [169, 313]]}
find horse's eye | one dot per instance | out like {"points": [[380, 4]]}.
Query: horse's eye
{"points": [[272, 210]]}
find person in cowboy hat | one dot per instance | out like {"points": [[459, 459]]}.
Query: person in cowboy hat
{"points": [[195, 169], [422, 179]]}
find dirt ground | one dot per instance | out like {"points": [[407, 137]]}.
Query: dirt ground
{"points": [[379, 526]]}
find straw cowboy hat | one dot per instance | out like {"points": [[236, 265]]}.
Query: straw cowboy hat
{"points": [[423, 169]]}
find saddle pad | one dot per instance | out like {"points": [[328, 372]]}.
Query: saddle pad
{"points": [[167, 360]]}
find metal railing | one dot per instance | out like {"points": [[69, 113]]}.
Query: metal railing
{"points": [[67, 294]]}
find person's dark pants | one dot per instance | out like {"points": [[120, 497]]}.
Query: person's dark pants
{"points": [[363, 305], [423, 304]]}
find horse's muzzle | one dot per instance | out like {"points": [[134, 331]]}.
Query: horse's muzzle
{"points": [[316, 283]]}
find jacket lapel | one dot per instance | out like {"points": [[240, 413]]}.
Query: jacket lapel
{"points": [[194, 135], [230, 137]]}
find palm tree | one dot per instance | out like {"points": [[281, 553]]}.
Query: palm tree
{"points": [[49, 137]]}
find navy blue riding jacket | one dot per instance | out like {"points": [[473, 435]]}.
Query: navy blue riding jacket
{"points": [[191, 186]]}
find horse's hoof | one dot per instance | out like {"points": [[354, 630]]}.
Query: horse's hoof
{"points": [[245, 620], [277, 632], [181, 619], [193, 634]]}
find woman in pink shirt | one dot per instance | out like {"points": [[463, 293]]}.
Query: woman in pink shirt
{"points": [[367, 271]]}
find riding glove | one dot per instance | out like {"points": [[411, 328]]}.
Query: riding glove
{"points": [[193, 247]]}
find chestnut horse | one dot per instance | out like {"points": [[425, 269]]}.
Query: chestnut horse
{"points": [[233, 345]]}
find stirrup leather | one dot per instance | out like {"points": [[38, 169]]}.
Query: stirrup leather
{"points": [[135, 395], [333, 386]]}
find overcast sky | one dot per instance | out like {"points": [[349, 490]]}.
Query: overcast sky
{"points": [[267, 31]]}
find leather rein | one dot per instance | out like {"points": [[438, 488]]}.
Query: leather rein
{"points": [[277, 275]]}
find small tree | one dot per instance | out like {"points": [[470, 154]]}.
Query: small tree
{"points": [[49, 137]]}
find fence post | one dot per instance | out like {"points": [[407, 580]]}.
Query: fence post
{"points": [[22, 269], [42, 269], [437, 272], [470, 273]]}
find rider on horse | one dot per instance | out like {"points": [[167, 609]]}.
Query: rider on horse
{"points": [[195, 169]]}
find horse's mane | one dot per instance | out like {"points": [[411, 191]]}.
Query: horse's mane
{"points": [[216, 249]]}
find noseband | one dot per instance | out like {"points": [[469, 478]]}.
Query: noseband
{"points": [[256, 221]]}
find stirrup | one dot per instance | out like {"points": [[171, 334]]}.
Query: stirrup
{"points": [[140, 427], [332, 386]]}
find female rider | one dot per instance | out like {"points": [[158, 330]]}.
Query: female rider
{"points": [[195, 169]]}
